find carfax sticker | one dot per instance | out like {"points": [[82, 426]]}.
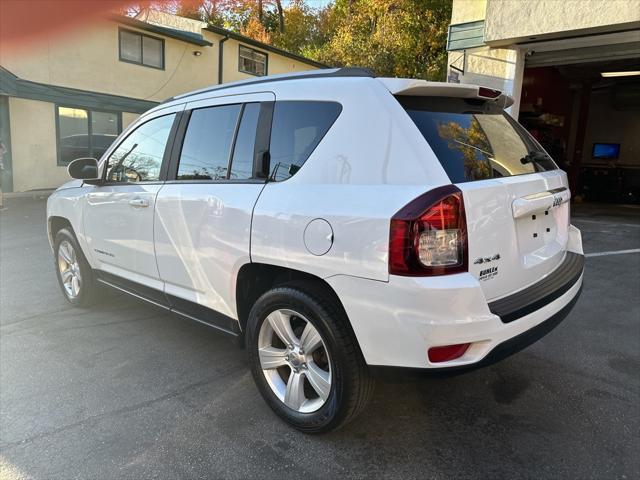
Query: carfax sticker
{"points": [[488, 273]]}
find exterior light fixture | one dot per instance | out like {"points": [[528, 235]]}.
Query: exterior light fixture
{"points": [[630, 73], [197, 53]]}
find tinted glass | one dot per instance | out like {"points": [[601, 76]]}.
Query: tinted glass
{"points": [[474, 140], [243, 151], [139, 157], [73, 128], [130, 46], [296, 130], [152, 52], [207, 143]]}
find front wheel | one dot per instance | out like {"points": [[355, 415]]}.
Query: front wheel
{"points": [[74, 273], [305, 359]]}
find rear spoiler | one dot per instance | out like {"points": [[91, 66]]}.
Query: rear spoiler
{"points": [[423, 88]]}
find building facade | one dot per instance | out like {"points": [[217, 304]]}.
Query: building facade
{"points": [[569, 64], [71, 96]]}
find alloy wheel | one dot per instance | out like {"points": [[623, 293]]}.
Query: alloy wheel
{"points": [[295, 360], [69, 269]]}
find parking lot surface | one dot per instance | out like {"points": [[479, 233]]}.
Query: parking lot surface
{"points": [[127, 391]]}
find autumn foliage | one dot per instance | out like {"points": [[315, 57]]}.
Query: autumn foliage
{"points": [[404, 38]]}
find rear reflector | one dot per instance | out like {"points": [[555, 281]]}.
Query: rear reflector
{"points": [[447, 352]]}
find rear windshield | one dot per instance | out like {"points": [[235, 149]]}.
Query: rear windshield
{"points": [[475, 140]]}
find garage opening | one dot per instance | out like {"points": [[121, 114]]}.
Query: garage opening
{"points": [[587, 116]]}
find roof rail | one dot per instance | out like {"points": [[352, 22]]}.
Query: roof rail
{"points": [[323, 73]]}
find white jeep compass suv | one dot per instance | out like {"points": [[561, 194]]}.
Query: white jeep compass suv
{"points": [[335, 222]]}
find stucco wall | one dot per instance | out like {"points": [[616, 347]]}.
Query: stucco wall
{"points": [[509, 20], [468, 10], [497, 68], [33, 144], [88, 60]]}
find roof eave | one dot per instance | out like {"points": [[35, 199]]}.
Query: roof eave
{"points": [[165, 31], [270, 48]]}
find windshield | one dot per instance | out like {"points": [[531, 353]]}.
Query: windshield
{"points": [[475, 140]]}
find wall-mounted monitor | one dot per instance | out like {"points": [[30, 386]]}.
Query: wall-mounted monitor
{"points": [[605, 151]]}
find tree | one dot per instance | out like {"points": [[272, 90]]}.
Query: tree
{"points": [[393, 37], [404, 38]]}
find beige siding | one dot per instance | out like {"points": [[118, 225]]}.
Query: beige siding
{"points": [[33, 145], [89, 60]]}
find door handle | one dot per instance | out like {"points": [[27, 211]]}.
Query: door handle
{"points": [[139, 202]]}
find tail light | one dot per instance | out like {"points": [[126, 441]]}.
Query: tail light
{"points": [[429, 235]]}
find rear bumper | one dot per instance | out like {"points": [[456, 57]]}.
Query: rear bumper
{"points": [[396, 322]]}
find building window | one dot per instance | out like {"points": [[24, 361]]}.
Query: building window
{"points": [[252, 61], [141, 49], [85, 133]]}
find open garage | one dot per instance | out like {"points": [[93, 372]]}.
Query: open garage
{"points": [[583, 106]]}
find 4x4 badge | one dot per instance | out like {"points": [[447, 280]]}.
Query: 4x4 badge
{"points": [[480, 260]]}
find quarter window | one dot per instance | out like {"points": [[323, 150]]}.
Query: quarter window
{"points": [[141, 49], [207, 143], [139, 157], [85, 133], [296, 130], [252, 61]]}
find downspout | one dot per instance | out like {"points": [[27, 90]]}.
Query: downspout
{"points": [[221, 57]]}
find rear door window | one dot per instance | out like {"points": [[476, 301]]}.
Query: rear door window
{"points": [[207, 143], [475, 140], [297, 129]]}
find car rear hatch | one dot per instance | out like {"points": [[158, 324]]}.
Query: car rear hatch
{"points": [[516, 199]]}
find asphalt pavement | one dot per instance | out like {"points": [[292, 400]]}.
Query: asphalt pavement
{"points": [[128, 391]]}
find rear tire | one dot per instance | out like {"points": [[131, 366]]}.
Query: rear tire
{"points": [[75, 275], [317, 390]]}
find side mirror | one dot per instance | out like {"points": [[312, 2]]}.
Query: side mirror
{"points": [[84, 169]]}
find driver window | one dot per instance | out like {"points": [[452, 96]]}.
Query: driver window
{"points": [[139, 157]]}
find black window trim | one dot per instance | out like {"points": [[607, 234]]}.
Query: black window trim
{"points": [[261, 145], [165, 156], [57, 106], [141, 62], [261, 154], [266, 61]]}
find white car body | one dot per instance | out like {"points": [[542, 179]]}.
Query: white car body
{"points": [[331, 220]]}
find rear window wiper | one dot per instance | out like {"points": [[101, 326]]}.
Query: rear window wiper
{"points": [[535, 156]]}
